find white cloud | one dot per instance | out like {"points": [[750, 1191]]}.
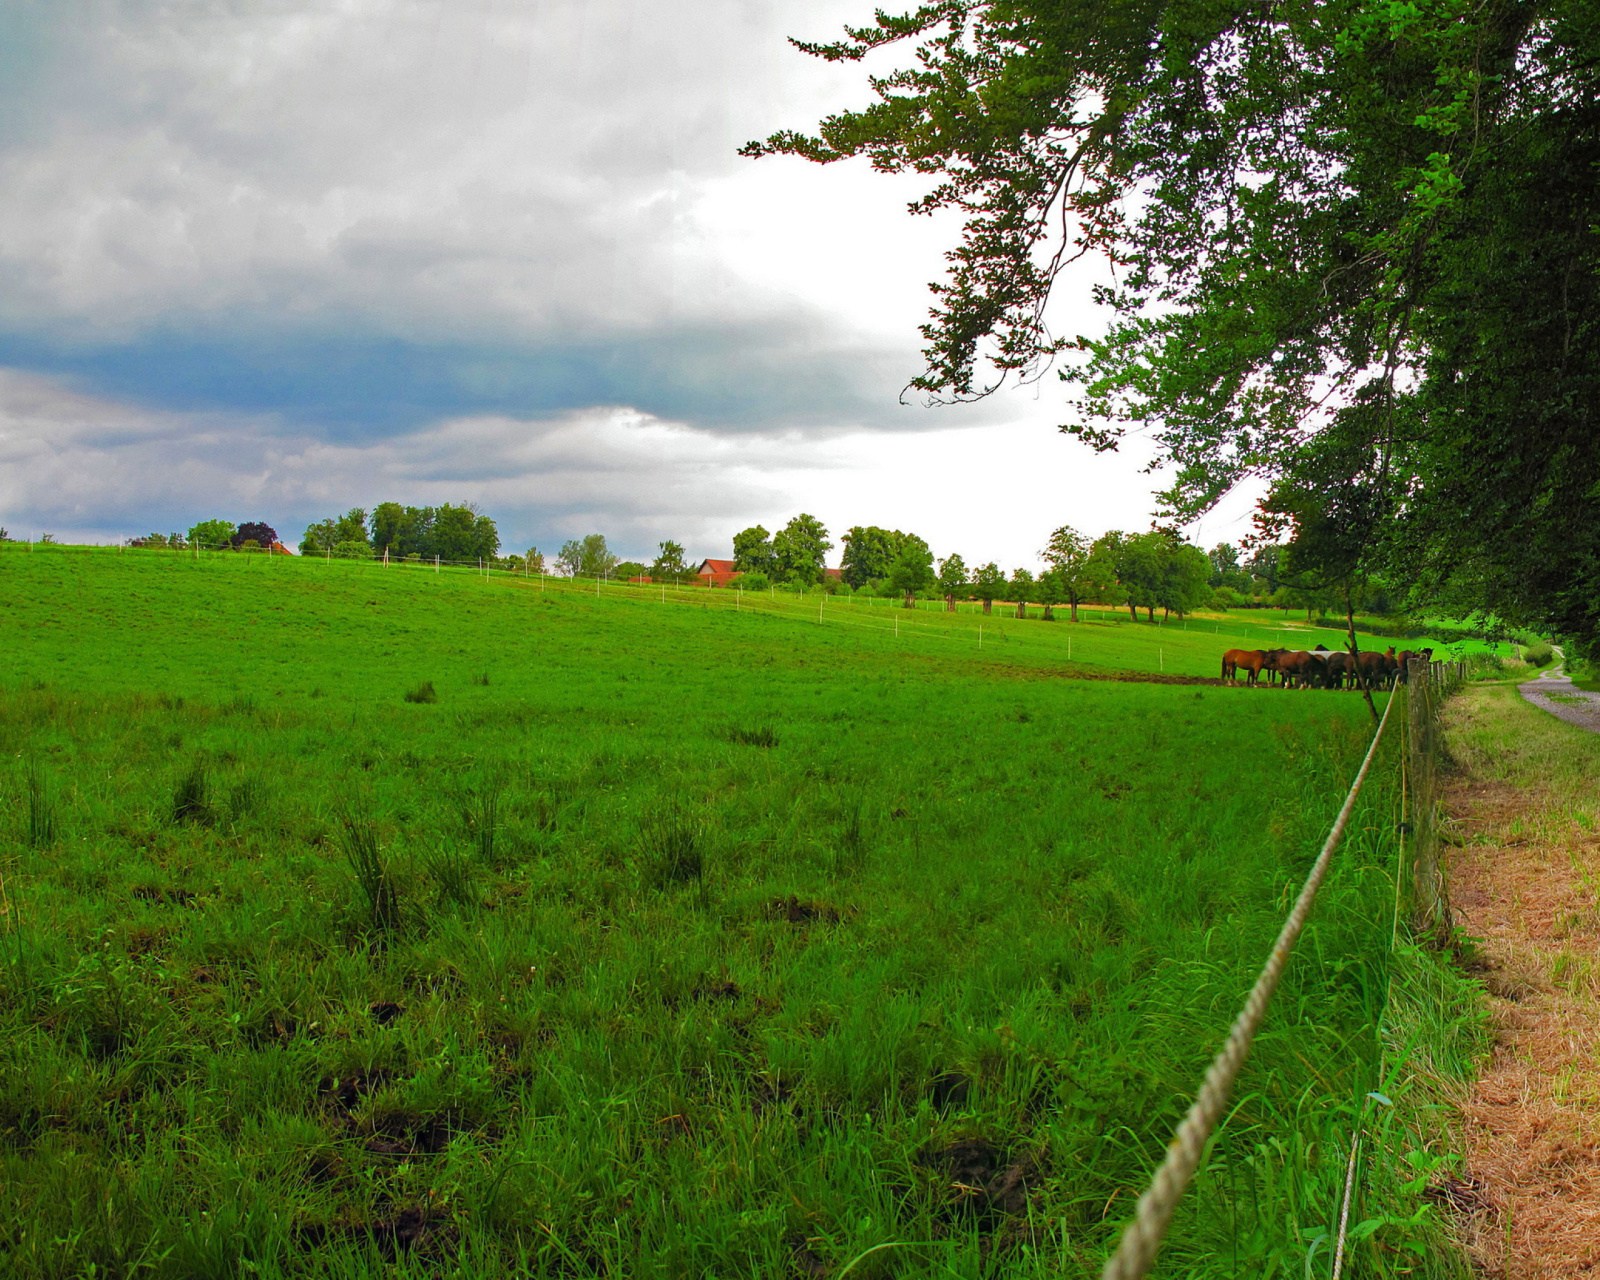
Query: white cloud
{"points": [[423, 165], [501, 179], [93, 470]]}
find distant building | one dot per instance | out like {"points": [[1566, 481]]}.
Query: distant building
{"points": [[721, 573], [716, 573]]}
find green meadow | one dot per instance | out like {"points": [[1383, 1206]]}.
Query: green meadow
{"points": [[368, 921]]}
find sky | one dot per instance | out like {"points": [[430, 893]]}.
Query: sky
{"points": [[273, 259]]}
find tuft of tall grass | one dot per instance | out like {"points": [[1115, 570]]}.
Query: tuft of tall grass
{"points": [[672, 851], [760, 736], [452, 874], [481, 814], [372, 871], [424, 692], [41, 811], [191, 799]]}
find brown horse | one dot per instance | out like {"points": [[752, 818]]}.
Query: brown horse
{"points": [[1247, 660], [1404, 659], [1377, 669], [1299, 669]]}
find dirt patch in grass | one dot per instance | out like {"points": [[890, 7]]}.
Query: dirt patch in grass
{"points": [[797, 912], [975, 1178], [1522, 883]]}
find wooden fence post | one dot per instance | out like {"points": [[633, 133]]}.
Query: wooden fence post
{"points": [[1421, 690]]}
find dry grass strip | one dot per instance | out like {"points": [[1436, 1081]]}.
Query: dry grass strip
{"points": [[1524, 882]]}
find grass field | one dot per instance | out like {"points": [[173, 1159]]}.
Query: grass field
{"points": [[667, 937]]}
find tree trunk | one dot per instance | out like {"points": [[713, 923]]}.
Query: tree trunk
{"points": [[1022, 608], [1133, 611], [950, 603], [988, 604], [1150, 614], [910, 602], [1049, 613], [1074, 607]]}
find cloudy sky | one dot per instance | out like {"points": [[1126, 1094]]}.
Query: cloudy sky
{"points": [[271, 259]]}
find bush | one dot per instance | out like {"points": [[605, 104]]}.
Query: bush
{"points": [[353, 551], [1538, 655], [753, 581]]}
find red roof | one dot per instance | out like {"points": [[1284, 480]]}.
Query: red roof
{"points": [[718, 568]]}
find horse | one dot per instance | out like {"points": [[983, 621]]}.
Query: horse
{"points": [[1269, 662], [1340, 669], [1404, 659], [1298, 668], [1377, 669], [1246, 660]]}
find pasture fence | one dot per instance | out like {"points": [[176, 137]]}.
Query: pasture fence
{"points": [[1427, 685]]}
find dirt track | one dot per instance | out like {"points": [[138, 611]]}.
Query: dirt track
{"points": [[1523, 883]]}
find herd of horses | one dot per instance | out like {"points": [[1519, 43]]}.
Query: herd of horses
{"points": [[1321, 668]]}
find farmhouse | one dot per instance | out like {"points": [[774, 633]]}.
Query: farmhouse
{"points": [[716, 573]]}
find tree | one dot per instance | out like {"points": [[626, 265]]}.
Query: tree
{"points": [[627, 570], [988, 584], [1080, 574], [869, 552], [533, 561], [1353, 242], [1022, 590], [1051, 592], [1184, 582], [402, 531], [263, 535], [800, 549], [752, 551], [1136, 561], [669, 565], [318, 539], [912, 570], [587, 557], [322, 537], [461, 533], [952, 577], [212, 533]]}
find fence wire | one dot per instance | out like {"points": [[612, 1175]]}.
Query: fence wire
{"points": [[1142, 1237]]}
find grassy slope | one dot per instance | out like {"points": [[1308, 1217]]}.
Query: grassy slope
{"points": [[700, 1006]]}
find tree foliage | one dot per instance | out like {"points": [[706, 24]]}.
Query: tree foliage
{"points": [[952, 577], [212, 533], [1355, 254], [752, 551], [263, 535], [869, 551], [669, 565], [799, 550], [322, 537], [989, 584], [459, 532], [912, 570], [586, 557]]}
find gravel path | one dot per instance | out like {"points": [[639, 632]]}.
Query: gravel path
{"points": [[1554, 692]]}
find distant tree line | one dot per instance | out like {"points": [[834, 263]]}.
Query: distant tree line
{"points": [[459, 532], [252, 535]]}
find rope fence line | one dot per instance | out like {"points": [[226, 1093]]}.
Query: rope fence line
{"points": [[1142, 1237]]}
